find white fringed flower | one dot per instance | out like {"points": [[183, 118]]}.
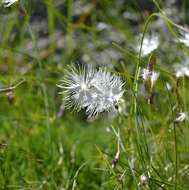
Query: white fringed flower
{"points": [[150, 43], [76, 85], [92, 90], [109, 91], [183, 116], [8, 3]]}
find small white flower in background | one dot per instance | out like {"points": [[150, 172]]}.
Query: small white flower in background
{"points": [[146, 74], [150, 43], [143, 180], [182, 69], [185, 39], [183, 116], [8, 3], [96, 91], [151, 76], [168, 86], [102, 26]]}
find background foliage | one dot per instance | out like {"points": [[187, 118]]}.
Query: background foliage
{"points": [[44, 146]]}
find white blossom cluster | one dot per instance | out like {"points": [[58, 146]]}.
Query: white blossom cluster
{"points": [[94, 90], [151, 76], [150, 43], [8, 3]]}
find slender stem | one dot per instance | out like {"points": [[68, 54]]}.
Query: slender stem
{"points": [[184, 93], [137, 72], [169, 20], [11, 88], [176, 155]]}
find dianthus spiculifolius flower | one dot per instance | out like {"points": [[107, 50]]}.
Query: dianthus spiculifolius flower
{"points": [[96, 91], [8, 3]]}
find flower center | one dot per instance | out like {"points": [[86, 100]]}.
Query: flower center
{"points": [[83, 86]]}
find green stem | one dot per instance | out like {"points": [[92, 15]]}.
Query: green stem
{"points": [[176, 155], [12, 87]]}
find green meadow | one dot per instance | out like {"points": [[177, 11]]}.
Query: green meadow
{"points": [[44, 145]]}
